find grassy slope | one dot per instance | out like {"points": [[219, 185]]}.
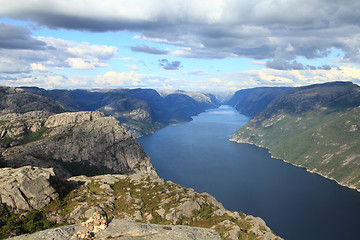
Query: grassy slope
{"points": [[321, 140]]}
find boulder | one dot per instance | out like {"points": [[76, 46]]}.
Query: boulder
{"points": [[26, 188]]}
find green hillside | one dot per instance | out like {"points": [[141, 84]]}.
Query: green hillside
{"points": [[316, 127]]}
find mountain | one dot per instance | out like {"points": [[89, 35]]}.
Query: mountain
{"points": [[16, 100], [53, 164], [208, 100], [316, 127], [252, 101], [141, 111]]}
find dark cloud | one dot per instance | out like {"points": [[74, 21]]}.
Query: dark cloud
{"points": [[281, 64], [18, 37], [261, 29], [166, 65], [149, 50], [284, 65], [325, 67]]}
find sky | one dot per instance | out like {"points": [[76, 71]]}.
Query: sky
{"points": [[200, 45]]}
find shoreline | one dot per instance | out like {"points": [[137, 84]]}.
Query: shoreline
{"points": [[296, 165]]}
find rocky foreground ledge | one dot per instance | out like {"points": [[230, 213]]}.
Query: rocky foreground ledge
{"points": [[125, 201], [123, 229]]}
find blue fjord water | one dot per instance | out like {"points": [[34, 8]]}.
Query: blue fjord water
{"points": [[296, 204]]}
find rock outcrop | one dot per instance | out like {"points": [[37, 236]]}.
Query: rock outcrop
{"points": [[147, 198], [26, 188], [122, 229], [72, 143], [120, 200]]}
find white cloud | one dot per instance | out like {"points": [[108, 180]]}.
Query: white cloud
{"points": [[98, 51], [56, 53], [78, 63], [225, 82], [134, 67], [38, 67]]}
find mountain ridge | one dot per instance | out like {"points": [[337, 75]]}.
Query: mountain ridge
{"points": [[315, 127], [141, 111]]}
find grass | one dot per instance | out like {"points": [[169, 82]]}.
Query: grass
{"points": [[34, 136]]}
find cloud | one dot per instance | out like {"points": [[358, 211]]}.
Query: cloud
{"points": [[149, 50], [213, 29], [129, 59], [78, 63], [284, 65], [38, 67], [17, 37], [166, 65], [134, 67], [195, 72], [281, 64], [230, 81], [41, 53]]}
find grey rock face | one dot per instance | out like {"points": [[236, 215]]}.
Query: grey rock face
{"points": [[26, 188], [78, 143], [122, 229], [71, 118]]}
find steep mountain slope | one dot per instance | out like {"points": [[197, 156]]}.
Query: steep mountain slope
{"points": [[316, 127], [252, 101], [141, 111]]}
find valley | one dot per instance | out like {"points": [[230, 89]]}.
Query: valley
{"points": [[82, 144]]}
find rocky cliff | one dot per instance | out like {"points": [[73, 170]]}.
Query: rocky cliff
{"points": [[72, 143], [141, 197], [316, 127], [252, 101]]}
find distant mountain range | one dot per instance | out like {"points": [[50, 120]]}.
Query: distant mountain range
{"points": [[316, 127], [141, 111]]}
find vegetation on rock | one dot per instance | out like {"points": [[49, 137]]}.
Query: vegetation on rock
{"points": [[316, 127]]}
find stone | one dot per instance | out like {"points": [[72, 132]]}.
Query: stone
{"points": [[77, 212], [187, 208], [26, 188], [161, 212]]}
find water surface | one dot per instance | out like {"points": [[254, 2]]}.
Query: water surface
{"points": [[296, 204]]}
